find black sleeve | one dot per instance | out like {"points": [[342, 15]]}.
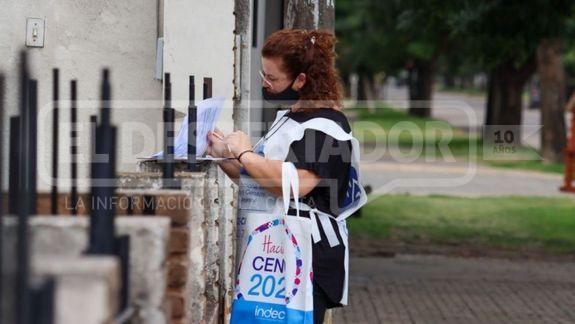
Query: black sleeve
{"points": [[322, 154]]}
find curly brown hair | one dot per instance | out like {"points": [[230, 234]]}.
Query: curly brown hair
{"points": [[316, 59]]}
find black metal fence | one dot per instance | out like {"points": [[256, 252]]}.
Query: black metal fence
{"points": [[17, 305], [35, 303]]}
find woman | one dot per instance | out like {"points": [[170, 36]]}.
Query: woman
{"points": [[298, 71]]}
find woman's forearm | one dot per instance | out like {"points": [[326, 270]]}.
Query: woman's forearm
{"points": [[268, 173], [232, 169]]}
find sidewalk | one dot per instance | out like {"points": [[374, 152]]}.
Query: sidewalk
{"points": [[459, 179], [438, 289]]}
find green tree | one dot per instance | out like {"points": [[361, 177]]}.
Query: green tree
{"points": [[393, 35], [501, 37], [426, 29], [506, 35], [368, 44]]}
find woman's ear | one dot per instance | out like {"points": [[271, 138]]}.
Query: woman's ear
{"points": [[299, 81]]}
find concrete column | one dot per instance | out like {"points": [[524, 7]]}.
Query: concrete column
{"points": [[196, 288], [68, 237], [87, 287], [227, 237], [185, 209], [207, 228], [199, 248], [242, 65], [212, 214]]}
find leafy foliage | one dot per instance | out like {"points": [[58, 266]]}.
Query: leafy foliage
{"points": [[383, 35]]}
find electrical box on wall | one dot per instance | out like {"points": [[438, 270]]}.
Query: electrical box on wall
{"points": [[34, 32]]}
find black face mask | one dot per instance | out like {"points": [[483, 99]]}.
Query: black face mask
{"points": [[287, 97]]}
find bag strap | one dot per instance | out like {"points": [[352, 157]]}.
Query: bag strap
{"points": [[334, 130], [290, 180]]}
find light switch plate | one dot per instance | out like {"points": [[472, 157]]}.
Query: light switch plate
{"points": [[34, 32]]}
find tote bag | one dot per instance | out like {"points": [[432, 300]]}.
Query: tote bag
{"points": [[274, 265]]}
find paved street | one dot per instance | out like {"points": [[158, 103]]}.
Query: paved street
{"points": [[468, 112], [438, 289], [458, 178]]}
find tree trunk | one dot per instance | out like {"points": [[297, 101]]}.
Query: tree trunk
{"points": [[493, 87], [361, 88], [552, 81], [504, 97], [420, 83], [370, 95], [510, 101], [449, 80]]}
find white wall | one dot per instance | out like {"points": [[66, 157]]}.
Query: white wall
{"points": [[199, 41], [83, 36]]}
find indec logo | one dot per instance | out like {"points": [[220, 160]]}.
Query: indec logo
{"points": [[269, 313]]}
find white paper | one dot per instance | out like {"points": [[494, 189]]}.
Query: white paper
{"points": [[208, 113], [211, 158]]}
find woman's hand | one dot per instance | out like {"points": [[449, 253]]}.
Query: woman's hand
{"points": [[238, 142], [216, 146]]}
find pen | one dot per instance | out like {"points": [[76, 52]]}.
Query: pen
{"points": [[221, 138], [218, 136]]}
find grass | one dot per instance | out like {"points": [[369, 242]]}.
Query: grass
{"points": [[397, 129], [533, 165], [540, 223], [527, 158]]}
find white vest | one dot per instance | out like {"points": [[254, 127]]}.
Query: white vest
{"points": [[276, 147]]}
